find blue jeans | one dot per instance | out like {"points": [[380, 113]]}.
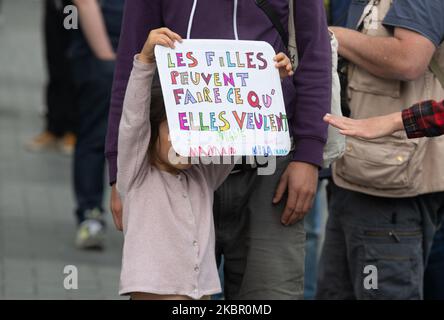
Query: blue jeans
{"points": [[314, 229], [93, 81], [221, 295]]}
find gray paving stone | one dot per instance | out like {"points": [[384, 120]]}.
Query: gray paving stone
{"points": [[37, 226]]}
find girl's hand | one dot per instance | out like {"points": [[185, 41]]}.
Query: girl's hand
{"points": [[116, 208], [283, 63], [371, 128], [164, 37]]}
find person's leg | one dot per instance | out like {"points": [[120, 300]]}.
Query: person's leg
{"points": [[314, 228], [333, 279], [392, 243], [221, 265], [230, 223], [386, 244], [272, 255], [61, 102], [434, 273], [48, 138], [386, 241], [89, 159], [59, 92]]}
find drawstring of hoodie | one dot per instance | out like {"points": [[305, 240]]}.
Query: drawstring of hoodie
{"points": [[190, 21], [236, 36], [193, 11]]}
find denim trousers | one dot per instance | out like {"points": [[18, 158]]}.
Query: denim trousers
{"points": [[93, 82], [314, 227]]}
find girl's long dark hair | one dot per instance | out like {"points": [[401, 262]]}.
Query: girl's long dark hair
{"points": [[157, 116]]}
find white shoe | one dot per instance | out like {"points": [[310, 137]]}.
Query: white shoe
{"points": [[91, 232]]}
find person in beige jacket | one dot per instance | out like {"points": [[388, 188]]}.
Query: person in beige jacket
{"points": [[387, 198]]}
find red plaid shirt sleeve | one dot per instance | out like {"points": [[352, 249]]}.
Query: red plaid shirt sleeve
{"points": [[425, 119]]}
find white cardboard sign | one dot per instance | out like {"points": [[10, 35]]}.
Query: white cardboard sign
{"points": [[223, 98]]}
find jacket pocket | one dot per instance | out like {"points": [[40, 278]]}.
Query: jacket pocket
{"points": [[363, 81], [382, 164]]}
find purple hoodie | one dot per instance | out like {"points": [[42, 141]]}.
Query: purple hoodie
{"points": [[307, 94]]}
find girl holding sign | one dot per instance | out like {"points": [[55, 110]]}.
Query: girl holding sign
{"points": [[167, 216]]}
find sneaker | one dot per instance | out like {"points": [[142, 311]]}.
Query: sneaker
{"points": [[67, 144], [91, 232], [42, 142]]}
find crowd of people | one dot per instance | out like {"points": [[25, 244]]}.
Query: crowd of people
{"points": [[384, 200]]}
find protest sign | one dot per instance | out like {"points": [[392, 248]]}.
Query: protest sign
{"points": [[223, 98]]}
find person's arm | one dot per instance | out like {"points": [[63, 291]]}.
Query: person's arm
{"points": [[94, 29], [405, 56], [371, 128], [135, 126], [312, 81], [425, 119], [140, 17]]}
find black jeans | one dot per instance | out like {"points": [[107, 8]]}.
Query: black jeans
{"points": [[434, 273], [60, 98], [93, 83]]}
